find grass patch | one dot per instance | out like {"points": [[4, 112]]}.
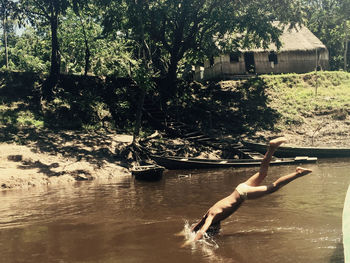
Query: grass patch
{"points": [[19, 115], [296, 95], [299, 96]]}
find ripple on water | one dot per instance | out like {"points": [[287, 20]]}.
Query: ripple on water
{"points": [[135, 222]]}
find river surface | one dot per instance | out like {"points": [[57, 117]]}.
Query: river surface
{"points": [[132, 221]]}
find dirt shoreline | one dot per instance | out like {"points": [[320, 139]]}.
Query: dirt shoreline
{"points": [[63, 158], [49, 158]]}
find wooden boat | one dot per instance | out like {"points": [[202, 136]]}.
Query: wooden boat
{"points": [[346, 226], [290, 151], [147, 172], [181, 163]]}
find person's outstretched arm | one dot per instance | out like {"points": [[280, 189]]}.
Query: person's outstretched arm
{"points": [[201, 231], [204, 228], [200, 223]]}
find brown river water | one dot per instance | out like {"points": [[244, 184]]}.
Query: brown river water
{"points": [[131, 221]]}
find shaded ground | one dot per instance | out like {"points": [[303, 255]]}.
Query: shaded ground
{"points": [[59, 157]]}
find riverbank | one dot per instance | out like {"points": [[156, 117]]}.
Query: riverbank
{"points": [[310, 109], [35, 149], [51, 158]]}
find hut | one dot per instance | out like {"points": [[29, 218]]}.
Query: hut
{"points": [[301, 52]]}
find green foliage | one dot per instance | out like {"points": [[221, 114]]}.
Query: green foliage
{"points": [[294, 95], [41, 12], [31, 52], [165, 35], [326, 19], [228, 107], [19, 102], [80, 33], [113, 57], [80, 103], [176, 30]]}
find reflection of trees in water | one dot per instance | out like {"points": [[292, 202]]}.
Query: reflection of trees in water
{"points": [[148, 197]]}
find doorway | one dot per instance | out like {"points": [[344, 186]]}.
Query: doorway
{"points": [[249, 62]]}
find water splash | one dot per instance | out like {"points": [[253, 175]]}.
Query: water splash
{"points": [[207, 242]]}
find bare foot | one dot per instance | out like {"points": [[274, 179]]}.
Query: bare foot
{"points": [[275, 143], [302, 171]]}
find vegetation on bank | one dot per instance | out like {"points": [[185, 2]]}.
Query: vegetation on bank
{"points": [[268, 103], [80, 103], [297, 97], [312, 108]]}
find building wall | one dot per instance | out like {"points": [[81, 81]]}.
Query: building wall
{"points": [[287, 62], [291, 62], [223, 68]]}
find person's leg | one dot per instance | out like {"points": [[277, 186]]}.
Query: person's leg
{"points": [[257, 178], [258, 191]]}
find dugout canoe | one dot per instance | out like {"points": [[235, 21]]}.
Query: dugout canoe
{"points": [[290, 151], [147, 172], [182, 163]]}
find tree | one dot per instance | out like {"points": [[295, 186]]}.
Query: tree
{"points": [[84, 48], [345, 7], [31, 51], [49, 12], [174, 29], [167, 31], [8, 9], [129, 18], [328, 20], [77, 7], [75, 35]]}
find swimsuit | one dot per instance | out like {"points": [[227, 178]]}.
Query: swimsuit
{"points": [[242, 189]]}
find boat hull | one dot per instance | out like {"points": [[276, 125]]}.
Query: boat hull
{"points": [[180, 163], [148, 172], [289, 151]]}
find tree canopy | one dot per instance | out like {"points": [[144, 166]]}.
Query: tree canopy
{"points": [[178, 30], [106, 37], [329, 21]]}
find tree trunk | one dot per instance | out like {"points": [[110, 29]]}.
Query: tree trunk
{"points": [[87, 50], [55, 60], [87, 59], [55, 54], [345, 46], [141, 100], [171, 75], [4, 22], [139, 4], [168, 86]]}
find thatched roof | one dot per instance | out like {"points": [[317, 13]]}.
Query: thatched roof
{"points": [[295, 39]]}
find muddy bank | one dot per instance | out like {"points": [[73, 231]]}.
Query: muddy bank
{"points": [[323, 130], [52, 158], [60, 158], [34, 153]]}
